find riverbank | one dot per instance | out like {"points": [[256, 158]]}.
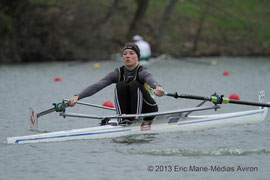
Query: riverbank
{"points": [[64, 30]]}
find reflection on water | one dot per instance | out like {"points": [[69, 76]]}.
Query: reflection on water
{"points": [[135, 139]]}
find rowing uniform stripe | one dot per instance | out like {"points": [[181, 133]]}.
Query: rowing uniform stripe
{"points": [[116, 102], [149, 103], [139, 101]]}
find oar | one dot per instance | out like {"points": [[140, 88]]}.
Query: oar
{"points": [[59, 107], [92, 105], [216, 99]]}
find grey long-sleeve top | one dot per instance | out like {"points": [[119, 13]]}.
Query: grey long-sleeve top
{"points": [[143, 75]]}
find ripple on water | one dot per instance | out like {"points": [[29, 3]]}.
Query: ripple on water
{"points": [[224, 151]]}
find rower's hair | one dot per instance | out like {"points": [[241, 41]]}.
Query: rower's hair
{"points": [[133, 46]]}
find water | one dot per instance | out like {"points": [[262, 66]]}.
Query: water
{"points": [[209, 154]]}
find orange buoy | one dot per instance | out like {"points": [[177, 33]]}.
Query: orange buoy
{"points": [[108, 104], [234, 96], [96, 65], [57, 79], [226, 73]]}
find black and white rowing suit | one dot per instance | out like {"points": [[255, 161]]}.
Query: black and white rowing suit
{"points": [[133, 91]]}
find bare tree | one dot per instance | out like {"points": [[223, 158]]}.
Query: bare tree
{"points": [[197, 35], [112, 9], [164, 22], [140, 12]]}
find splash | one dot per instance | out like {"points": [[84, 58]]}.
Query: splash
{"points": [[2, 142]]}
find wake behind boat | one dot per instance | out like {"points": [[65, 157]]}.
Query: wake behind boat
{"points": [[168, 121]]}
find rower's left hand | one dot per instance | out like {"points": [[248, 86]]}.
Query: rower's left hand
{"points": [[159, 91], [73, 101]]}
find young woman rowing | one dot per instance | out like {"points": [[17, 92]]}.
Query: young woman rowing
{"points": [[134, 85]]}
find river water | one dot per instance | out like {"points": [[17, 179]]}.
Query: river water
{"points": [[171, 155]]}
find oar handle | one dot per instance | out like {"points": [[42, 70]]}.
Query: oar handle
{"points": [[216, 99]]}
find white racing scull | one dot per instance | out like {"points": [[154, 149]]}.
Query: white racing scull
{"points": [[162, 123], [168, 121]]}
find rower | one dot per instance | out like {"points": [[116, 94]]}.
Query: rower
{"points": [[144, 46], [133, 86]]}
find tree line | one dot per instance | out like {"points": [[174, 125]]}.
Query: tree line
{"points": [[61, 30]]}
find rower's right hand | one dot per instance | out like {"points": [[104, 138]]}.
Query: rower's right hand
{"points": [[159, 91], [73, 101]]}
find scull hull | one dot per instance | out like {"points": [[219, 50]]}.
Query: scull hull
{"points": [[166, 123]]}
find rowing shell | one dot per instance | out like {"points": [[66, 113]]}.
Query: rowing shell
{"points": [[162, 123]]}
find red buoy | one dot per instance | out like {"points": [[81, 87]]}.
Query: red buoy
{"points": [[234, 96], [108, 104], [226, 73], [57, 79]]}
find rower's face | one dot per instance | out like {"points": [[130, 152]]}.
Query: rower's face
{"points": [[130, 58]]}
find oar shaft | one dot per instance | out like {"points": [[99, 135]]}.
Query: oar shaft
{"points": [[63, 105], [93, 105], [187, 96], [213, 99], [46, 112], [59, 107], [249, 103]]}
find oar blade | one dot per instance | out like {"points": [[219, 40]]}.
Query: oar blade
{"points": [[33, 119]]}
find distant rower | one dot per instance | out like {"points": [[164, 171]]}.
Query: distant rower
{"points": [[145, 49]]}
